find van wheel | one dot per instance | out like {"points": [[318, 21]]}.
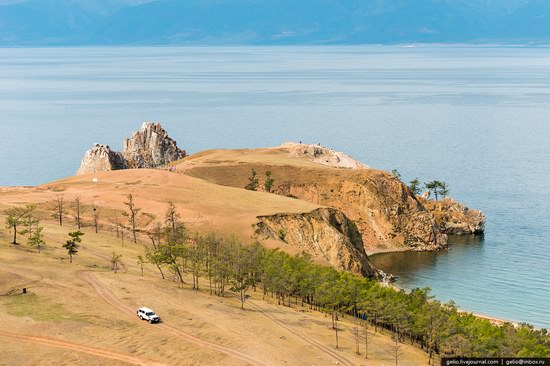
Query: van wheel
{"points": [[150, 321]]}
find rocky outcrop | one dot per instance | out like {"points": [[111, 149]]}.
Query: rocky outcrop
{"points": [[387, 214], [322, 155], [389, 217], [150, 147], [325, 233], [455, 218], [101, 159]]}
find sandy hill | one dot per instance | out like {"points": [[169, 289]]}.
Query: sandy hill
{"points": [[207, 207], [83, 313]]}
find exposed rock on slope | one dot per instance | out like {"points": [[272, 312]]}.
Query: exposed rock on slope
{"points": [[455, 218], [326, 233], [101, 159], [150, 147], [388, 216], [322, 155]]}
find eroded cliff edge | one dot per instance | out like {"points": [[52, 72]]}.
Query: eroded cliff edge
{"points": [[387, 214], [150, 147], [325, 233]]}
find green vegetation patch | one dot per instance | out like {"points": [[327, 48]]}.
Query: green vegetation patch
{"points": [[39, 308]]}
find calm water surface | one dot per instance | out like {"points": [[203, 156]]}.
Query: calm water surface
{"points": [[478, 118]]}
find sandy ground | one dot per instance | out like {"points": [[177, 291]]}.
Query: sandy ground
{"points": [[83, 313], [204, 206]]}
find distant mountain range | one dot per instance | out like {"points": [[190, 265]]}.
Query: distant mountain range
{"points": [[268, 22]]}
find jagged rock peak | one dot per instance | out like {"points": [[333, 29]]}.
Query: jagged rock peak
{"points": [[101, 159], [323, 155], [151, 147]]}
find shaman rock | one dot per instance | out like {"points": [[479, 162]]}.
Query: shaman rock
{"points": [[151, 147]]}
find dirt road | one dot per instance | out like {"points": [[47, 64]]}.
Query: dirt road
{"points": [[329, 351], [81, 348], [111, 299]]}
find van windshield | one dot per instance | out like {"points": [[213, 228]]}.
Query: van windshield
{"points": [[150, 314]]}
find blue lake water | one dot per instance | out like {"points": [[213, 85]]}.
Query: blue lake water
{"points": [[475, 117]]}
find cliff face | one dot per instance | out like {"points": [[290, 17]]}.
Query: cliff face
{"points": [[101, 159], [455, 218], [150, 147], [326, 233], [388, 216]]}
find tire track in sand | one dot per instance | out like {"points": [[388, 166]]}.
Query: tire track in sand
{"points": [[111, 299], [332, 353], [111, 355]]}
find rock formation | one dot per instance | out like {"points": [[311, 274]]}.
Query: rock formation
{"points": [[101, 159], [322, 155], [150, 147], [325, 233], [388, 216], [453, 217]]}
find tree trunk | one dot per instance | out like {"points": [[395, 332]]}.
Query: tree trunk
{"points": [[160, 270], [14, 234]]}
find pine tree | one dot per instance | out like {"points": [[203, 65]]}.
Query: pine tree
{"points": [[252, 182], [269, 181], [415, 186], [37, 238], [73, 243], [16, 217]]}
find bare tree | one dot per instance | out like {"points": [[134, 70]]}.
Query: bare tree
{"points": [[121, 232], [367, 339], [77, 205], [132, 215], [59, 208], [95, 218], [140, 263], [396, 349], [155, 235], [335, 322], [356, 336], [115, 261]]}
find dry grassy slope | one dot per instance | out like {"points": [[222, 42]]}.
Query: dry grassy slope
{"points": [[63, 320], [388, 216], [204, 207]]}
